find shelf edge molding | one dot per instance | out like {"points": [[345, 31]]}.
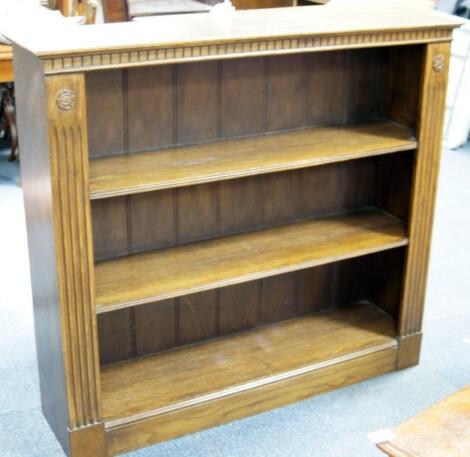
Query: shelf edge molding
{"points": [[170, 273]]}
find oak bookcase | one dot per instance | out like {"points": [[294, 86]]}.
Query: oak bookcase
{"points": [[224, 221]]}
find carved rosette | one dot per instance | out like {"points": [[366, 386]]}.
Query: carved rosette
{"points": [[438, 63], [65, 100]]}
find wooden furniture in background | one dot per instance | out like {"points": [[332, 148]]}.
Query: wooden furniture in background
{"points": [[64, 6], [252, 4], [115, 10], [313, 2], [68, 8], [125, 10], [239, 190], [88, 9], [6, 64], [142, 8], [442, 430]]}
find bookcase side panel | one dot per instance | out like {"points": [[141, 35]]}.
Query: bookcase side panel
{"points": [[37, 192], [433, 94]]}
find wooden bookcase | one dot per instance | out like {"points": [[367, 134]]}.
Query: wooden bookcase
{"points": [[224, 222]]}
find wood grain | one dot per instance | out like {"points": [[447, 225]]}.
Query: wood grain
{"points": [[239, 307], [339, 373], [424, 188], [152, 221], [317, 289], [241, 205], [68, 154], [155, 327], [105, 113], [197, 314], [404, 84], [115, 11], [116, 339], [286, 103], [89, 440], [110, 228], [321, 190], [243, 97], [279, 298], [178, 167], [170, 273], [396, 178], [326, 93], [281, 200], [36, 176], [197, 213], [199, 373], [6, 64], [409, 350], [439, 430], [150, 107], [358, 184], [364, 100], [387, 280], [197, 102]]}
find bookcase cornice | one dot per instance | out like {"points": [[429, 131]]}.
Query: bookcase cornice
{"points": [[230, 49]]}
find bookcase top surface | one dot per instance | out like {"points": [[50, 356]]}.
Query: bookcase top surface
{"points": [[339, 24]]}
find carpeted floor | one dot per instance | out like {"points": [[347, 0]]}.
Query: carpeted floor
{"points": [[331, 425]]}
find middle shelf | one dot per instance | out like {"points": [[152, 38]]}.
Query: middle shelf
{"points": [[181, 270]]}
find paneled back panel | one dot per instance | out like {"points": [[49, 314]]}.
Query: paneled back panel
{"points": [[150, 108], [161, 219], [404, 84], [156, 220]]}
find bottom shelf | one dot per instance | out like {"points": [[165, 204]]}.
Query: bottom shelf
{"points": [[224, 368]]}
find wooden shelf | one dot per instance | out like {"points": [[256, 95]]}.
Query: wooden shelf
{"points": [[232, 365], [173, 272], [184, 166]]}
